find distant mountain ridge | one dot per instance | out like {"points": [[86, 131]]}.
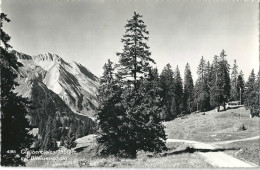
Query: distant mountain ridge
{"points": [[72, 82]]}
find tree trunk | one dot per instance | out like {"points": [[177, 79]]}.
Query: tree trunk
{"points": [[218, 108]]}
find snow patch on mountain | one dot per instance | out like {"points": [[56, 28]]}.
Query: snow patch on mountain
{"points": [[51, 79]]}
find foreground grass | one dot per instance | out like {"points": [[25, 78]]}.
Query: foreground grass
{"points": [[173, 158], [246, 150]]}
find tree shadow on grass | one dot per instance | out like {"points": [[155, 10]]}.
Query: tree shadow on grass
{"points": [[192, 150], [79, 149]]}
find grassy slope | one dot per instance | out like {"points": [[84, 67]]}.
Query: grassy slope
{"points": [[213, 127], [210, 127]]}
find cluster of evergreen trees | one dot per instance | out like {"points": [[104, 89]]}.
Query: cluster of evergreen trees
{"points": [[218, 85], [14, 125], [130, 104], [134, 98], [214, 87], [211, 89], [55, 120]]}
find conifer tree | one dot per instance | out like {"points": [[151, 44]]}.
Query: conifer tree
{"points": [[72, 129], [220, 81], [111, 115], [178, 91], [123, 114], [188, 93], [70, 141], [241, 86], [62, 141], [151, 136], [215, 84], [14, 125], [208, 73], [49, 141], [201, 70], [225, 78], [55, 131], [234, 82], [257, 91], [252, 94], [79, 131], [134, 61], [167, 92], [250, 90], [134, 68], [201, 89]]}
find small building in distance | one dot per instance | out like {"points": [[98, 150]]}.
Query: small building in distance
{"points": [[233, 104]]}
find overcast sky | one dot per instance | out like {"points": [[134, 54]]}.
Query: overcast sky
{"points": [[89, 31]]}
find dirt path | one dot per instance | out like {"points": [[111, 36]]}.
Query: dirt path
{"points": [[238, 140], [218, 159]]}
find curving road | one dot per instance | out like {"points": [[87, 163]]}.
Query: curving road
{"points": [[218, 159]]}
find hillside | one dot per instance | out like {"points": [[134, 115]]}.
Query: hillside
{"points": [[74, 84], [213, 126], [217, 127], [210, 128], [62, 95], [46, 103]]}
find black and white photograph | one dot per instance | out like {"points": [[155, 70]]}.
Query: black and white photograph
{"points": [[130, 83]]}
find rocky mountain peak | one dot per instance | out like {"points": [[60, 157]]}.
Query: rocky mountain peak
{"points": [[48, 57], [72, 82]]}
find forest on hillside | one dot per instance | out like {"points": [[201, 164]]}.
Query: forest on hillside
{"points": [[134, 100]]}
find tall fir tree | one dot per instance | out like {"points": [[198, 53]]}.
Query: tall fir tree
{"points": [[225, 78], [214, 84], [201, 89], [49, 141], [128, 129], [14, 108], [208, 72], [234, 82], [188, 95], [201, 71], [134, 69], [250, 90], [220, 81], [241, 86], [70, 139], [144, 130], [167, 92], [257, 90], [111, 117], [135, 60], [178, 91]]}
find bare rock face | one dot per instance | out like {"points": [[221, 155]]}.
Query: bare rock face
{"points": [[72, 82]]}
